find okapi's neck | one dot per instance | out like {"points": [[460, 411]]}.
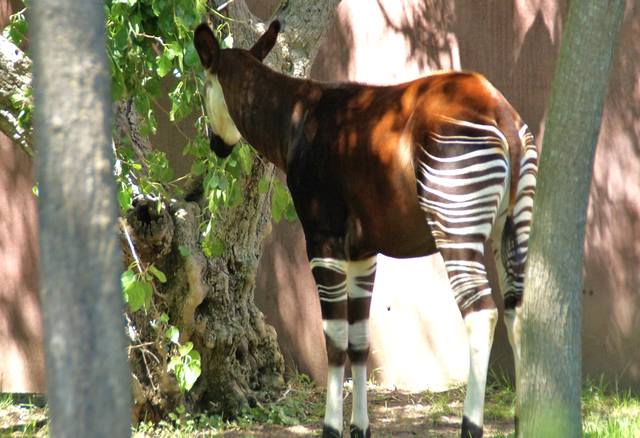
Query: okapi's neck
{"points": [[261, 103]]}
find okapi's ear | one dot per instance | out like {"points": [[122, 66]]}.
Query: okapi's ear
{"points": [[266, 42], [207, 46]]}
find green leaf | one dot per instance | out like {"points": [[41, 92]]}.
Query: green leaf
{"points": [[135, 291], [185, 349], [191, 374], [125, 197], [215, 246], [173, 334], [290, 212], [191, 58], [127, 278], [198, 168], [164, 65], [263, 186], [184, 250], [175, 363], [147, 291], [164, 318], [245, 157], [280, 199], [157, 273], [173, 50]]}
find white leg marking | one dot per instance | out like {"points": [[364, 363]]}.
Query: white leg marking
{"points": [[359, 415], [480, 327], [338, 331], [333, 407], [359, 335]]}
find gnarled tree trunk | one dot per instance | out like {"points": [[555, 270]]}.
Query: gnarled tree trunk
{"points": [[212, 300]]}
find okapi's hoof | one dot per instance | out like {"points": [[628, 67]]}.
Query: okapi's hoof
{"points": [[470, 430], [330, 432], [356, 432]]}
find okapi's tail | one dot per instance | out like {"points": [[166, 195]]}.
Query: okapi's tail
{"points": [[515, 236]]}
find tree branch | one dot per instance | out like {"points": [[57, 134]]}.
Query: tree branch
{"points": [[15, 80], [298, 43]]}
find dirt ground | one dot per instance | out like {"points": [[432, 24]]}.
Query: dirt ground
{"points": [[392, 413], [398, 414]]}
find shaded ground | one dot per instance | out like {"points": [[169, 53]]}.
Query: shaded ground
{"points": [[397, 414], [298, 413]]}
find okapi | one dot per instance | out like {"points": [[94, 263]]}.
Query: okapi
{"points": [[440, 163]]}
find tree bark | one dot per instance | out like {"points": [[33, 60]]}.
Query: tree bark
{"points": [[87, 375], [15, 81], [550, 381]]}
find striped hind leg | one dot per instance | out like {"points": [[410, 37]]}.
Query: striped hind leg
{"points": [[512, 244], [468, 278], [462, 176], [360, 278]]}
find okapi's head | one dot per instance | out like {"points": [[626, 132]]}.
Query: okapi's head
{"points": [[225, 134]]}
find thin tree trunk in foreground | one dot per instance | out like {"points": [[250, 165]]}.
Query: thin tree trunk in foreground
{"points": [[550, 382], [87, 376]]}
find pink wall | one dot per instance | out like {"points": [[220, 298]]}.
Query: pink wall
{"points": [[21, 354]]}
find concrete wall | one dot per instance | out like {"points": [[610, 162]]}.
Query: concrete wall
{"points": [[418, 338]]}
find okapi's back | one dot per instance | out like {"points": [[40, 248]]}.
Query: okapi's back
{"points": [[368, 143]]}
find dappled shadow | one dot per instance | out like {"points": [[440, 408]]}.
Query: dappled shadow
{"points": [[20, 319], [287, 295], [612, 244], [333, 62], [426, 27]]}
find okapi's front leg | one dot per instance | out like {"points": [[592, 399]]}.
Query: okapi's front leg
{"points": [[331, 279], [360, 278]]}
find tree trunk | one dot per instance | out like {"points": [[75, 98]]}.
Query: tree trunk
{"points": [[87, 376], [212, 300], [550, 381]]}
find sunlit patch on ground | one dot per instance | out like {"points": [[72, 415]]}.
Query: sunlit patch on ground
{"points": [[298, 413]]}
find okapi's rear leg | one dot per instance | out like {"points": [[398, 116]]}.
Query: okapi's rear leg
{"points": [[510, 245], [468, 278], [360, 278], [462, 174], [345, 297]]}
